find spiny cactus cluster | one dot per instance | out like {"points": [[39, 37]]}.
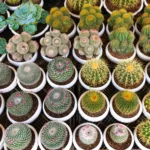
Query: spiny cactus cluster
{"points": [[95, 73], [58, 100], [54, 135], [129, 74], [55, 43], [2, 46], [119, 133], [18, 136], [147, 103], [88, 43], [60, 69], [13, 2], [90, 17], [21, 47], [29, 74], [19, 103], [121, 41], [60, 19]]}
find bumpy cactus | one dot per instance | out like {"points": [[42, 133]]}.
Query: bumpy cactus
{"points": [[147, 102], [3, 8], [95, 73], [88, 43], [119, 133], [54, 43], [2, 46], [19, 103], [13, 2], [21, 47], [53, 135], [29, 74], [121, 41], [60, 69], [129, 74], [18, 136]]}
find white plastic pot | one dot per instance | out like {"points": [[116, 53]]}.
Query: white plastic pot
{"points": [[66, 86], [12, 8], [37, 89], [2, 104], [117, 60], [123, 119], [146, 73], [69, 144], [63, 118], [111, 148], [136, 28], [84, 124], [2, 139], [42, 3], [2, 57], [145, 2]]}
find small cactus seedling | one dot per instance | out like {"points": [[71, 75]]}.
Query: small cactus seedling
{"points": [[2, 46], [147, 102]]}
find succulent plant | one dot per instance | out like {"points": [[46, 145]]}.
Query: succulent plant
{"points": [[2, 46], [95, 73], [13, 2], [119, 133], [60, 69], [90, 17], [18, 136], [43, 17], [54, 135], [147, 102], [3, 8], [30, 28], [3, 22]]}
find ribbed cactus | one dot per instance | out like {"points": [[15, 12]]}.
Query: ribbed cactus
{"points": [[90, 17], [18, 136], [2, 46], [58, 100], [13, 2], [95, 73], [147, 102], [19, 103], [55, 43], [3, 8], [88, 43], [60, 69], [29, 74], [54, 135], [21, 47], [129, 74], [119, 133], [121, 41]]}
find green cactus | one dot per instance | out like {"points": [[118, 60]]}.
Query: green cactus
{"points": [[13, 2], [18, 136], [30, 28], [54, 135], [3, 8], [44, 14], [2, 46], [147, 102]]}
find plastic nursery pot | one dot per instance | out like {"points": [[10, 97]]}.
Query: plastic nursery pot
{"points": [[63, 118], [98, 129], [12, 85], [35, 146], [136, 28], [111, 148], [145, 2], [69, 144], [12, 8], [37, 89], [118, 87], [66, 86], [146, 73], [2, 57], [42, 3], [2, 138], [2, 104], [33, 117], [117, 60], [122, 119]]}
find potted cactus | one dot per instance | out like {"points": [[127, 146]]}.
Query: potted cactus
{"points": [[93, 106], [128, 75], [20, 136], [21, 49], [87, 45], [54, 44], [2, 49], [118, 137], [61, 73], [13, 4], [87, 136], [31, 78], [142, 135], [121, 47], [23, 107], [125, 106], [2, 133], [55, 135], [95, 75], [147, 72], [91, 18], [2, 104]]}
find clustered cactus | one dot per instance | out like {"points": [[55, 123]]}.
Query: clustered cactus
{"points": [[54, 135], [90, 17], [95, 73], [18, 136], [147, 103], [60, 19], [88, 43], [60, 69], [2, 46], [13, 2], [55, 43], [121, 41], [21, 47]]}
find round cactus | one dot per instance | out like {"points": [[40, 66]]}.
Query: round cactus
{"points": [[22, 48], [147, 102], [17, 57]]}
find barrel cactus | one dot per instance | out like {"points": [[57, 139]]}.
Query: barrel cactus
{"points": [[54, 135], [147, 102], [18, 136], [2, 46]]}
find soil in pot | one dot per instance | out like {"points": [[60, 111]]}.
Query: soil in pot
{"points": [[148, 1], [36, 1], [141, 49], [15, 4]]}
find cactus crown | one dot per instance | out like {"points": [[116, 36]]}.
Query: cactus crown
{"points": [[54, 135], [147, 102], [2, 46], [3, 8], [18, 136]]}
